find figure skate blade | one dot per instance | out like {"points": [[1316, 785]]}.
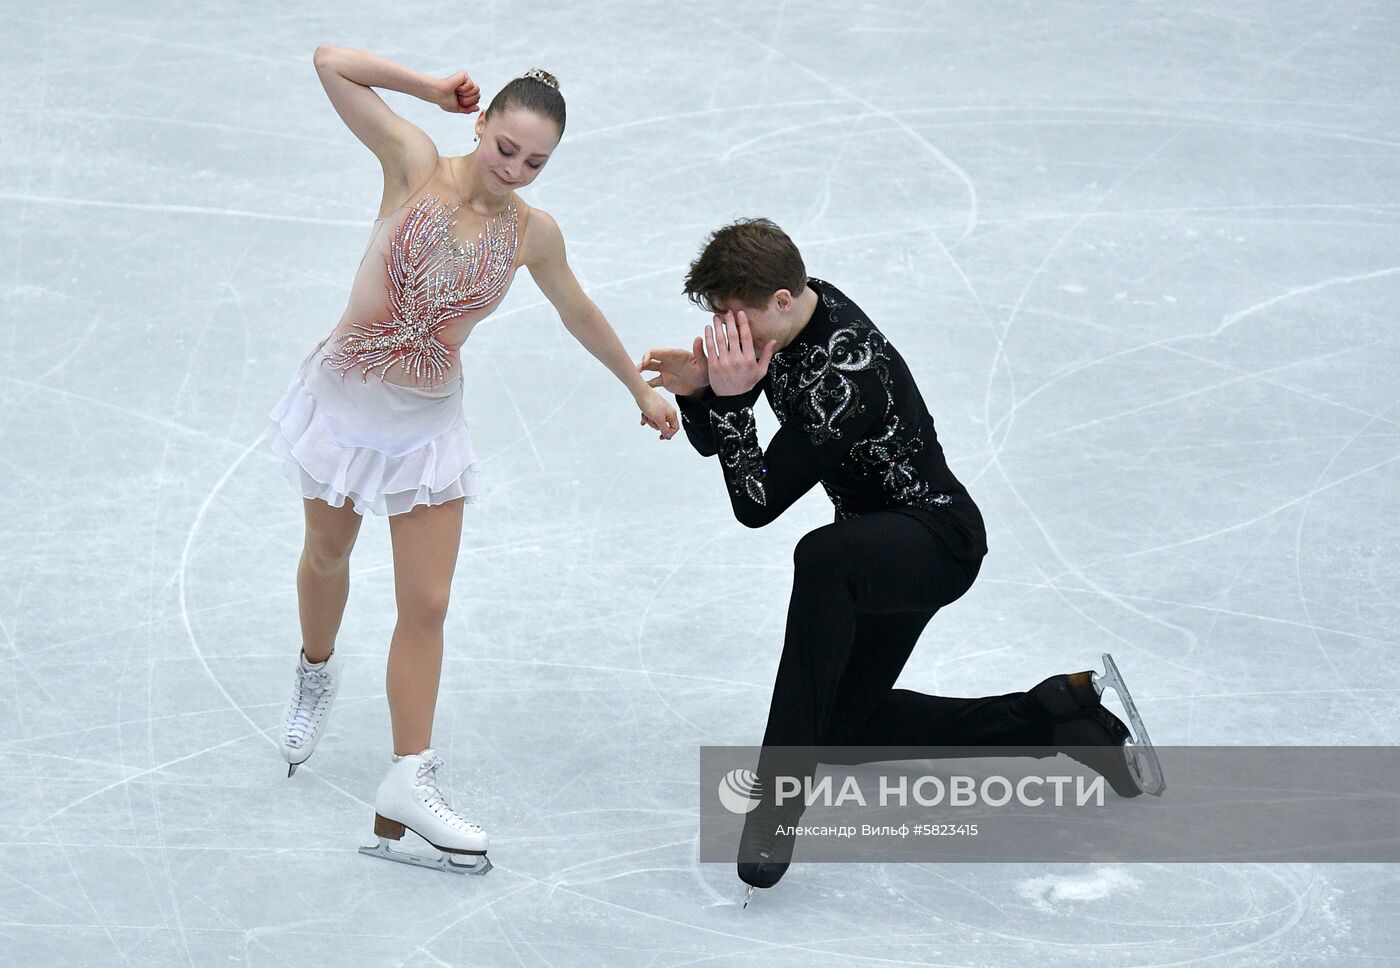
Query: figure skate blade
{"points": [[476, 864], [1142, 758]]}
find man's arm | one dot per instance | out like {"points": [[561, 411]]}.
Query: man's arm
{"points": [[764, 483], [695, 417]]}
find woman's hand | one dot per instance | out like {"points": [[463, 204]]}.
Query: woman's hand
{"points": [[457, 94], [681, 372], [658, 414], [732, 364]]}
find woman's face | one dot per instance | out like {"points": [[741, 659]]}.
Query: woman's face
{"points": [[515, 144]]}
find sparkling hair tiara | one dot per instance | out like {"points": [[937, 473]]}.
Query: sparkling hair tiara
{"points": [[544, 77]]}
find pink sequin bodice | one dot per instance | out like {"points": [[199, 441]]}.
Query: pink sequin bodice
{"points": [[431, 281]]}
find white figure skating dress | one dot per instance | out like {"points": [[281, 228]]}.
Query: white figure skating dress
{"points": [[374, 412]]}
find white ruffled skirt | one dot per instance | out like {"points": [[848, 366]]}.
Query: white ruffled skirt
{"points": [[388, 448]]}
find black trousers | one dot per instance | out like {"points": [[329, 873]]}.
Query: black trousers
{"points": [[863, 590]]}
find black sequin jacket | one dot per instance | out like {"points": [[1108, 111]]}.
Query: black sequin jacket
{"points": [[852, 419]]}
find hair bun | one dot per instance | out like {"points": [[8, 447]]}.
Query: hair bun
{"points": [[544, 77]]}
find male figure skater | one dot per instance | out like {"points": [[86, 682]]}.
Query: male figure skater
{"points": [[907, 538]]}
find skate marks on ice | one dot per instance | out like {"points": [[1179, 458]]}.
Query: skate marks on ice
{"points": [[146, 835], [1044, 893], [1128, 915], [1170, 657]]}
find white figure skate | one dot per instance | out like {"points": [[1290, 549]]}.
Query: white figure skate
{"points": [[1142, 758], [310, 707], [409, 799]]}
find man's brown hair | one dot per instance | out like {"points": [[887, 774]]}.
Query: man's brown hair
{"points": [[748, 260]]}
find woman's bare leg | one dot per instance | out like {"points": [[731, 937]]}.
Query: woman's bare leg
{"points": [[323, 574], [425, 543]]}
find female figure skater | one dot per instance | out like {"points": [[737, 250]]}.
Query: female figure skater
{"points": [[372, 419], [907, 539]]}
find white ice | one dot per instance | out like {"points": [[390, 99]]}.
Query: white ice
{"points": [[1144, 259]]}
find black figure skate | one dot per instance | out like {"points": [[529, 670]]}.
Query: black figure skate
{"points": [[765, 848], [1096, 737]]}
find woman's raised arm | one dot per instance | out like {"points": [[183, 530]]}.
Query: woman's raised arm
{"points": [[406, 153]]}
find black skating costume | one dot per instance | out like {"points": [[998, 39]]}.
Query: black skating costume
{"points": [[907, 540]]}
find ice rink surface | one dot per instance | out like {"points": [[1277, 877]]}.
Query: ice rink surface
{"points": [[1143, 259]]}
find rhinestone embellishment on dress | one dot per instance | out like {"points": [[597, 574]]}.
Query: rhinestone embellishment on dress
{"points": [[432, 280]]}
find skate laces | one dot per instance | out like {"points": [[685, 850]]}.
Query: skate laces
{"points": [[433, 798], [313, 680], [311, 686]]}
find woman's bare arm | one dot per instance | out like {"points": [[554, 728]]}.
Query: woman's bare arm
{"points": [[549, 267], [406, 153]]}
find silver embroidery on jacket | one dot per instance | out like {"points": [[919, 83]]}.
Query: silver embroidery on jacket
{"points": [[736, 439], [887, 459], [816, 387]]}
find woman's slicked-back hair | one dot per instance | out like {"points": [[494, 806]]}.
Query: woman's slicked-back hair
{"points": [[536, 91], [747, 260]]}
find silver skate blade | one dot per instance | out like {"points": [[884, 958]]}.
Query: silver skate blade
{"points": [[447, 863], [748, 895], [1142, 758], [292, 768]]}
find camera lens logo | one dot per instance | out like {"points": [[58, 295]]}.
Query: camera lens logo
{"points": [[739, 791]]}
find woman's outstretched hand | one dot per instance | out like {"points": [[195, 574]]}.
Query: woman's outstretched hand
{"points": [[734, 367], [679, 371], [658, 414], [458, 94]]}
